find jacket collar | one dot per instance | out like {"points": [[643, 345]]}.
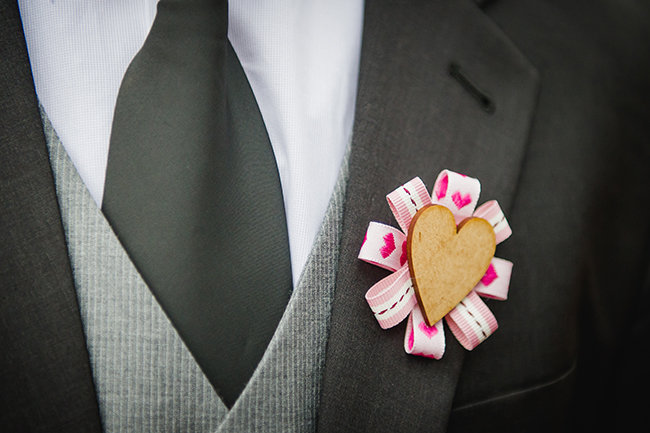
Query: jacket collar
{"points": [[440, 87]]}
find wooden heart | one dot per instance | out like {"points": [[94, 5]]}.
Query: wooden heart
{"points": [[446, 264]]}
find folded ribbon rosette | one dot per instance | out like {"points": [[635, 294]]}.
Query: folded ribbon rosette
{"points": [[442, 261]]}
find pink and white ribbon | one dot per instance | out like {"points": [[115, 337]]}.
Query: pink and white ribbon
{"points": [[457, 192], [422, 339], [471, 321], [384, 246], [392, 299], [406, 200]]}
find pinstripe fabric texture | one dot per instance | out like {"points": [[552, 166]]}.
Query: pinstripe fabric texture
{"points": [[145, 377]]}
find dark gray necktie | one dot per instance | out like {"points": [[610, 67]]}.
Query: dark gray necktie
{"points": [[193, 192]]}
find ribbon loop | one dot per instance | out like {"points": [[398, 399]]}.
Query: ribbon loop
{"points": [[471, 321], [392, 298], [384, 246], [457, 192], [492, 213], [406, 200], [424, 340], [496, 281]]}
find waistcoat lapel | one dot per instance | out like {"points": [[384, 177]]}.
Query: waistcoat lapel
{"points": [[45, 378], [146, 378], [283, 393], [440, 87]]}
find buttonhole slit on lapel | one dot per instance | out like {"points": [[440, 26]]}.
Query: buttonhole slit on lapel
{"points": [[483, 98]]}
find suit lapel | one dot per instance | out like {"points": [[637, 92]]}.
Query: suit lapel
{"points": [[44, 369], [440, 87]]}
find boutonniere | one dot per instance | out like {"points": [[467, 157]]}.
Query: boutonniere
{"points": [[442, 262]]}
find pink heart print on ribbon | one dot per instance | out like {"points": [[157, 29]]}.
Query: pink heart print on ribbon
{"points": [[421, 339], [457, 192], [393, 298], [389, 245], [388, 258]]}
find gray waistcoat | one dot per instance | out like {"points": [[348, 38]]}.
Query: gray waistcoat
{"points": [[145, 377]]}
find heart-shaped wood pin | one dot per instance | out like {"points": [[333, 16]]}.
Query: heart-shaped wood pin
{"points": [[446, 263]]}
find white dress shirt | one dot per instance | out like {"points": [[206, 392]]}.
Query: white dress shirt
{"points": [[301, 58]]}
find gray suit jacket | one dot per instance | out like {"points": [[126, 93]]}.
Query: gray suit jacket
{"points": [[545, 102]]}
